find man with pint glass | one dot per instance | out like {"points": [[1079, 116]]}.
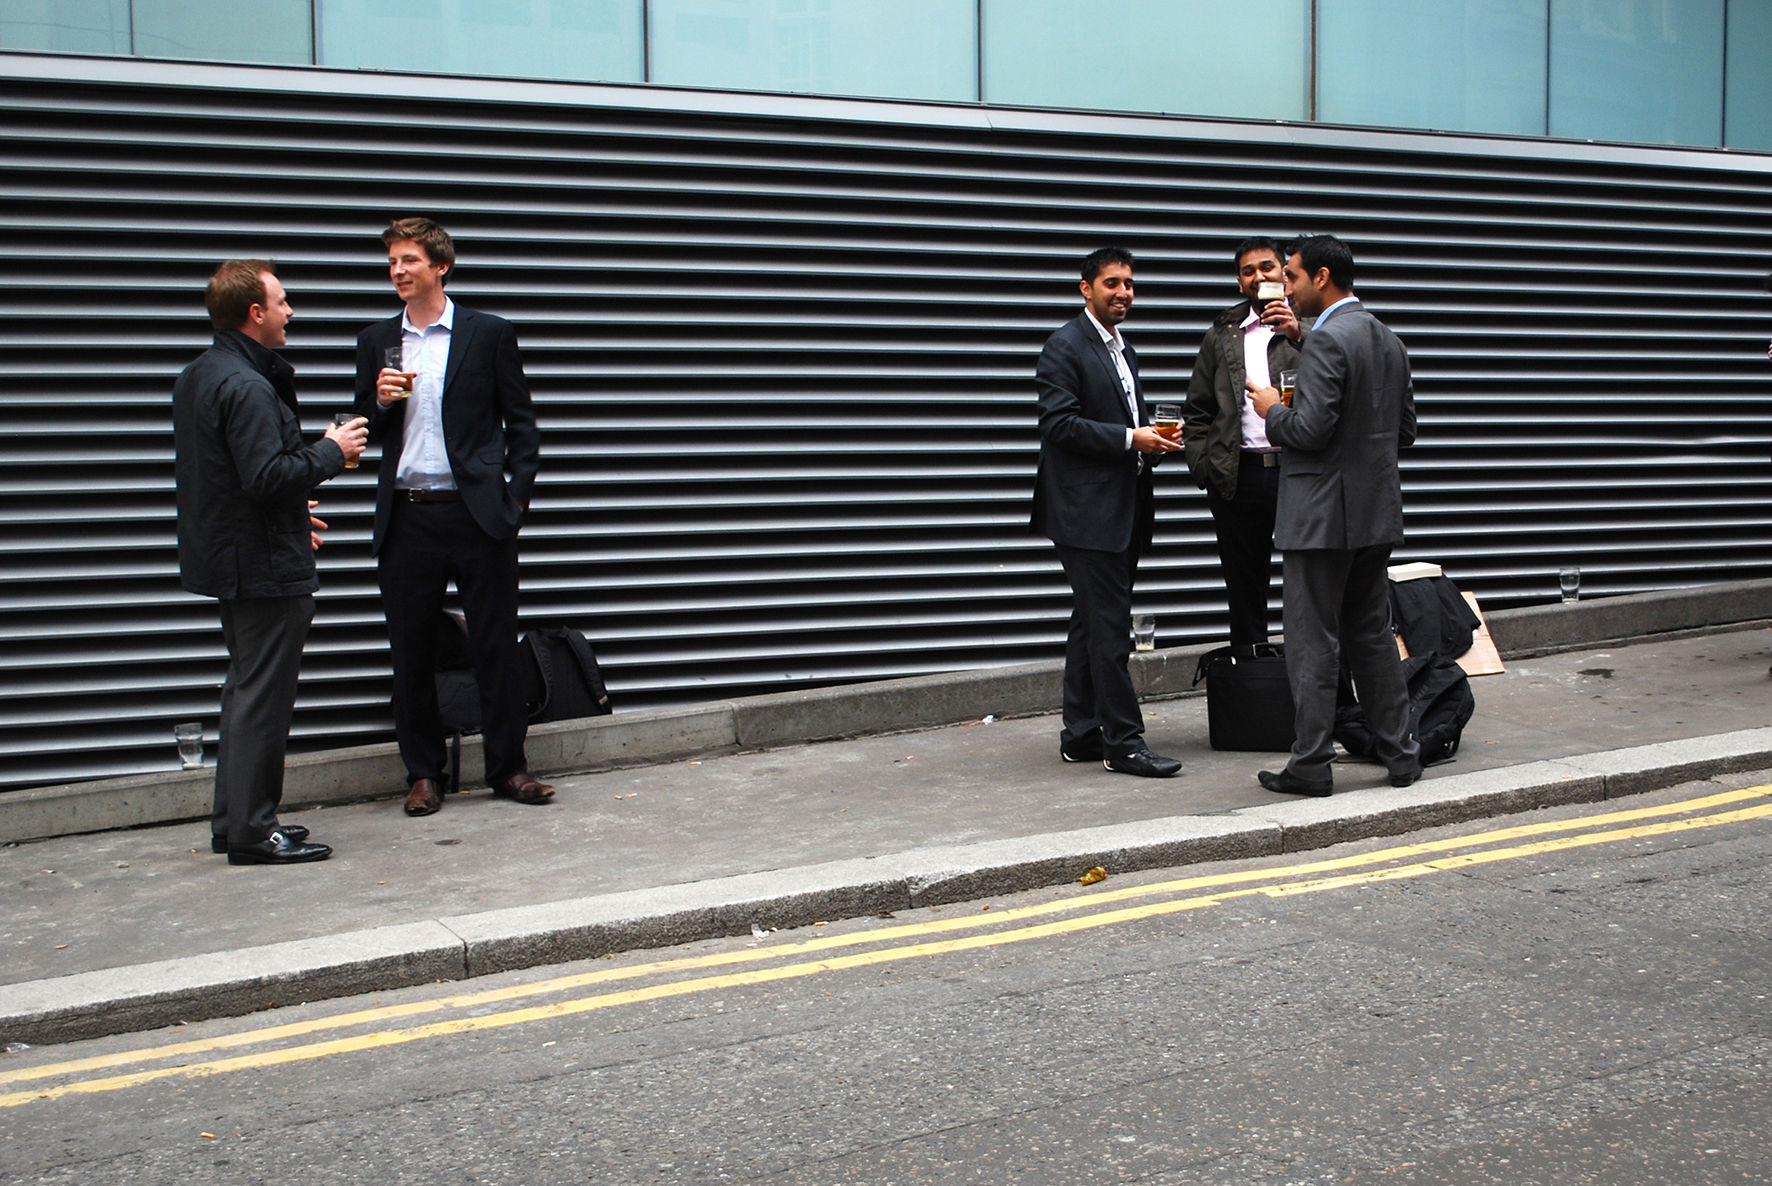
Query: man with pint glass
{"points": [[1255, 341], [244, 537], [444, 391]]}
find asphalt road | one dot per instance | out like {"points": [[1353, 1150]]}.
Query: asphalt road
{"points": [[1569, 996]]}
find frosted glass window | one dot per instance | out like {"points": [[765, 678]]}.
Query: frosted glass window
{"points": [[72, 26], [906, 49], [1458, 65], [590, 40], [1643, 70], [1747, 109], [1189, 57], [226, 30]]}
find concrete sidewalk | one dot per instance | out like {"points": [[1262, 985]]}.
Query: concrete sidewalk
{"points": [[125, 930]]}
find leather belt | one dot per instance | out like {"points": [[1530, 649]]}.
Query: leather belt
{"points": [[430, 495], [1270, 458]]}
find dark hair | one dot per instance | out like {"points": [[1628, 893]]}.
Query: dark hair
{"points": [[1096, 260], [1257, 243], [234, 289], [439, 248], [1317, 252]]}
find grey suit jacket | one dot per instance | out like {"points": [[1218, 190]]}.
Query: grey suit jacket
{"points": [[1353, 408]]}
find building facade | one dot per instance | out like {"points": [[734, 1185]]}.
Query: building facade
{"points": [[782, 344]]}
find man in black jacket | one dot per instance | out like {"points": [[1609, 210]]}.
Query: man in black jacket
{"points": [[244, 536], [1092, 499], [460, 453], [1226, 443]]}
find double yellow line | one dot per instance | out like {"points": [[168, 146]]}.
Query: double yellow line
{"points": [[678, 977]]}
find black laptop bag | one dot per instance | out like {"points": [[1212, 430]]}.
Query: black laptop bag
{"points": [[1248, 701]]}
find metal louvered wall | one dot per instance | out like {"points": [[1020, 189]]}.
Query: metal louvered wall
{"points": [[782, 351]]}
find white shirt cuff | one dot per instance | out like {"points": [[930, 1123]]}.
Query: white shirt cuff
{"points": [[1129, 438]]}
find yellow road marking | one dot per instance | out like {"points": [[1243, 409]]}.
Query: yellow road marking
{"points": [[917, 950], [881, 935]]}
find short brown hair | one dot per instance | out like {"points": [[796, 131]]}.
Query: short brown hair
{"points": [[439, 247], [236, 287]]}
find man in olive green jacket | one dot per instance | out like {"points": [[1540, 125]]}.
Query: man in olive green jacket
{"points": [[1226, 445]]}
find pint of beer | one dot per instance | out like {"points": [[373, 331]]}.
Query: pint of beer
{"points": [[341, 419], [1287, 379], [396, 360], [1166, 419]]}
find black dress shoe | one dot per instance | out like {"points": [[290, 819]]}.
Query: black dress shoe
{"points": [[1144, 764], [276, 849], [293, 832], [1403, 778], [1083, 749], [1288, 783]]}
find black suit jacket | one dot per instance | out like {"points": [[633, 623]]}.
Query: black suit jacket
{"points": [[489, 425], [1090, 492]]}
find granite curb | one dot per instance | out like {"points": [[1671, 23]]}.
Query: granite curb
{"points": [[359, 773], [232, 983]]}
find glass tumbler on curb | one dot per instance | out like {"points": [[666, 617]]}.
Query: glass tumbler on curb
{"points": [[396, 360], [1286, 382], [1569, 581], [190, 744], [1166, 419], [340, 420], [1144, 632]]}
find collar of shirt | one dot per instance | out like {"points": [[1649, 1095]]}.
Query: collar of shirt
{"points": [[1349, 299], [1110, 337], [1251, 321], [447, 321]]}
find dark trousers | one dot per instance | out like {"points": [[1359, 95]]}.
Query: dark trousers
{"points": [[1338, 603], [1098, 692], [427, 545], [264, 637], [1245, 529]]}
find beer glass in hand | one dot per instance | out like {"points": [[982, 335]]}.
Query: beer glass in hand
{"points": [[1287, 379], [396, 361], [342, 419], [1166, 419]]}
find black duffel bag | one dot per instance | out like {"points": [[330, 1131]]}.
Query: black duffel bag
{"points": [[1440, 705], [1248, 701]]}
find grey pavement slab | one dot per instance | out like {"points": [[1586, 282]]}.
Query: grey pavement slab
{"points": [[650, 856]]}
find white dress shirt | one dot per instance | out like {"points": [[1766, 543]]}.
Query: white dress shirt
{"points": [[424, 459], [1117, 347], [1256, 337]]}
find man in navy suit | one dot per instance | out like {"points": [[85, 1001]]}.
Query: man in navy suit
{"points": [[1092, 499], [1340, 514], [459, 459]]}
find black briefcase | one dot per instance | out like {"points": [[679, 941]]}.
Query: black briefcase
{"points": [[1248, 701]]}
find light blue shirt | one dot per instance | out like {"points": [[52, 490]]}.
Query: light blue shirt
{"points": [[1349, 299], [424, 459]]}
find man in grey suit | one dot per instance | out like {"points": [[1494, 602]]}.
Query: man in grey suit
{"points": [[1340, 514]]}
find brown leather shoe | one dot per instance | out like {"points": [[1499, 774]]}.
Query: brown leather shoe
{"points": [[425, 798], [524, 789]]}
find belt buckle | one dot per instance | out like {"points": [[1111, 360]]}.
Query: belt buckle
{"points": [[1269, 460]]}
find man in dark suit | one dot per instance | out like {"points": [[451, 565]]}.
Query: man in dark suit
{"points": [[244, 537], [1340, 514], [1092, 499], [459, 459]]}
